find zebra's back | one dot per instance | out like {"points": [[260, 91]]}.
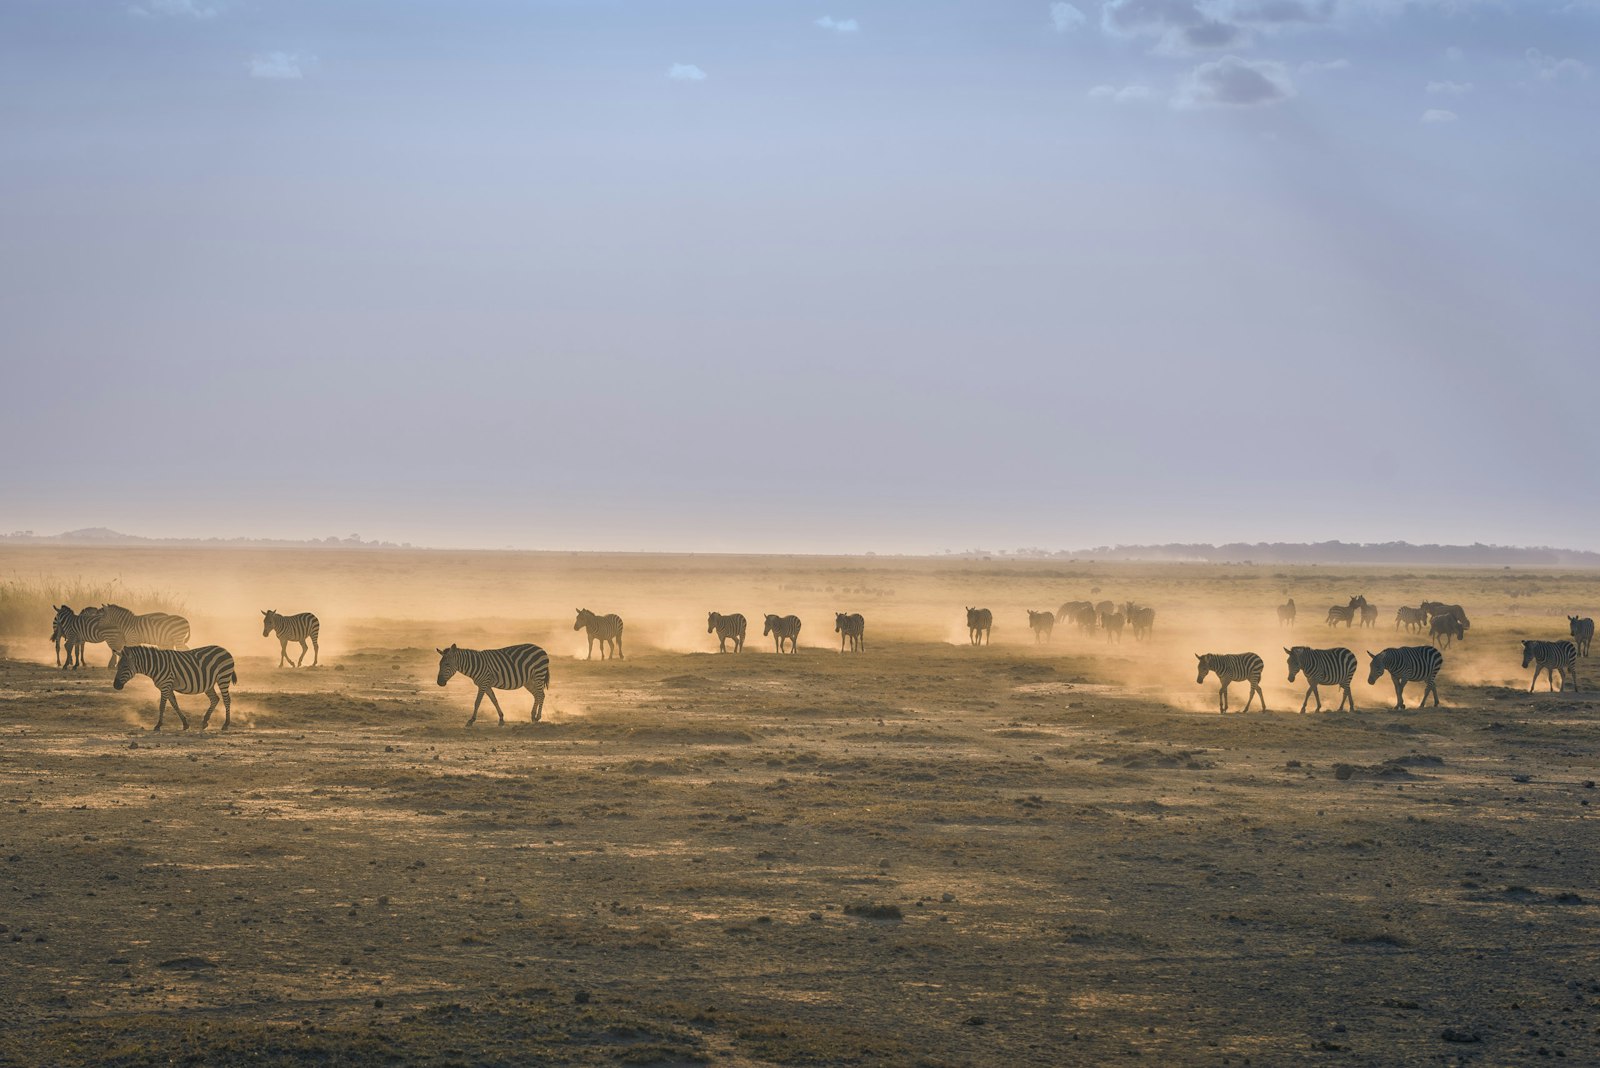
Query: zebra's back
{"points": [[1411, 663], [1325, 666], [1234, 667], [513, 667], [299, 626], [181, 670]]}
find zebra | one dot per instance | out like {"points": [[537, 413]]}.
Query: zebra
{"points": [[1286, 613], [1446, 625], [515, 667], [607, 630], [853, 628], [1413, 619], [980, 621], [1232, 668], [1369, 615], [160, 629], [1072, 610], [1437, 608], [1103, 609], [1112, 624], [726, 627], [1043, 625], [1323, 667], [1582, 631], [75, 629], [1551, 657], [295, 628], [1340, 614], [1143, 621], [1410, 663], [206, 670], [783, 628]]}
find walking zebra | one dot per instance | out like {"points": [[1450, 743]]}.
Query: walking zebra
{"points": [[1103, 609], [516, 667], [607, 630], [1323, 667], [295, 628], [980, 621], [782, 629], [1286, 613], [1143, 621], [1446, 625], [1339, 613], [1073, 610], [1113, 624], [726, 627], [206, 670], [853, 628], [75, 629], [1582, 631], [125, 627], [1551, 657], [1232, 668], [1043, 625], [1410, 663], [1369, 615], [1413, 619]]}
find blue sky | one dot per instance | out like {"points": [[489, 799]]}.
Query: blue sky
{"points": [[793, 276]]}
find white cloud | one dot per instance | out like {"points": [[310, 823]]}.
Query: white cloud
{"points": [[1127, 94], [1550, 69], [1312, 66], [828, 22], [1433, 115], [686, 72], [185, 8], [1183, 26], [1449, 88], [1064, 17], [281, 66], [1234, 82]]}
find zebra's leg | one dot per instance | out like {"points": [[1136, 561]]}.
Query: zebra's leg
{"points": [[476, 701], [1348, 697], [227, 703], [1222, 698], [493, 700], [303, 651], [205, 720], [619, 646], [1400, 694], [538, 701], [1433, 688], [283, 650], [1306, 698]]}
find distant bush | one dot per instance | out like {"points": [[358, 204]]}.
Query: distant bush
{"points": [[26, 605]]}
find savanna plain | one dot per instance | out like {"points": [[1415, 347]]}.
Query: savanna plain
{"points": [[926, 853]]}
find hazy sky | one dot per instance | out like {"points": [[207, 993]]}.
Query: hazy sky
{"points": [[802, 276]]}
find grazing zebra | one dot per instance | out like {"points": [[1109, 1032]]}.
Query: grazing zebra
{"points": [[1551, 657], [1340, 614], [980, 621], [160, 629], [726, 627], [853, 628], [1073, 610], [75, 629], [204, 670], [1323, 667], [1112, 624], [1143, 621], [1043, 625], [516, 667], [293, 629], [1232, 668], [1286, 613], [1413, 619], [1446, 625], [1582, 631], [1369, 615], [782, 629], [607, 630], [1411, 663]]}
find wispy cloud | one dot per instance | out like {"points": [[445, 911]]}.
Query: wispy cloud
{"points": [[1234, 82], [1126, 94], [1550, 69], [1313, 66], [686, 72], [169, 8], [1064, 17], [281, 66], [828, 22], [1181, 26], [1437, 115], [1448, 88]]}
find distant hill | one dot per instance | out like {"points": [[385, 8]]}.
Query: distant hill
{"points": [[106, 536], [1324, 552]]}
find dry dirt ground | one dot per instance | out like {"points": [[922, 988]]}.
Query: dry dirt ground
{"points": [[923, 854]]}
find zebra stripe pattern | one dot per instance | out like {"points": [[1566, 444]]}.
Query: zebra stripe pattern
{"points": [[515, 667], [1286, 613], [1340, 614], [1582, 631], [980, 621], [160, 629], [783, 629], [1143, 621], [206, 670], [1323, 667], [1232, 668], [725, 628], [296, 628], [1411, 663], [1413, 619], [1551, 657], [852, 628], [1043, 624], [76, 629], [607, 630]]}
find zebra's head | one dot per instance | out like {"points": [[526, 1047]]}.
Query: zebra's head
{"points": [[711, 621], [269, 620], [1377, 667], [838, 622], [1294, 661], [1205, 666], [1527, 653], [972, 617], [584, 618], [447, 663], [127, 667], [63, 613], [772, 621]]}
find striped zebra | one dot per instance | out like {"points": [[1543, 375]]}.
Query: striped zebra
{"points": [[160, 629], [852, 628], [1443, 627], [1551, 657], [1112, 624], [516, 667], [1410, 663], [1143, 621], [1043, 625], [783, 629], [1438, 608], [1339, 613], [725, 628], [75, 629], [1232, 668], [1369, 615], [607, 630], [1073, 610], [1103, 609], [1286, 613], [1413, 619], [1582, 631], [980, 621], [1323, 667], [206, 670], [296, 628]]}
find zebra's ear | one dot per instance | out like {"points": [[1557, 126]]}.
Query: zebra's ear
{"points": [[438, 650], [1371, 655], [1197, 656], [1286, 649]]}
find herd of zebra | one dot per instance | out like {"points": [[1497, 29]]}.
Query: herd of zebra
{"points": [[1443, 622]]}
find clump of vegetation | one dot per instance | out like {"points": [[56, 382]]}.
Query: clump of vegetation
{"points": [[27, 605], [888, 913]]}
